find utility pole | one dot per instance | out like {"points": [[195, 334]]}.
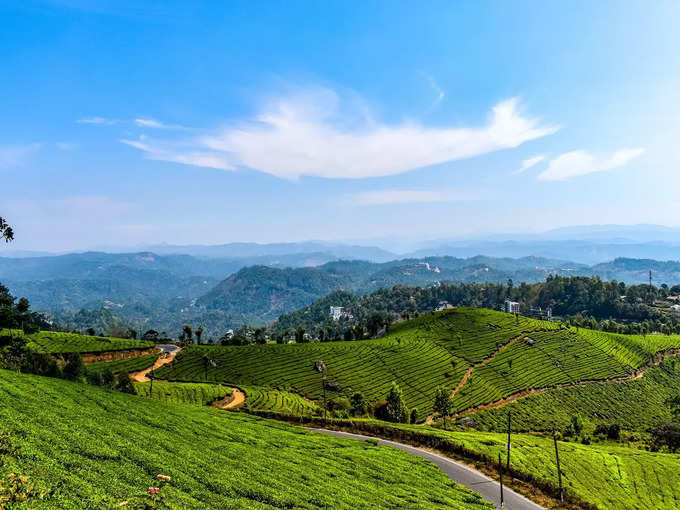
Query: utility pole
{"points": [[508, 446], [500, 470], [559, 472], [321, 367], [151, 385]]}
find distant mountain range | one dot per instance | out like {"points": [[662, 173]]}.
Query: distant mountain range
{"points": [[164, 292]]}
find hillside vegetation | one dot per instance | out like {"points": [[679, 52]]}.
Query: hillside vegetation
{"points": [[480, 354], [634, 405], [80, 446], [57, 342], [606, 476]]}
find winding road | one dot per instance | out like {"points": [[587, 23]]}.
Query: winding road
{"points": [[488, 488], [167, 354]]}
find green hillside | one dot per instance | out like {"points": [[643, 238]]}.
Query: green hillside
{"points": [[188, 393], [81, 446], [490, 355], [57, 342], [634, 405], [134, 364]]}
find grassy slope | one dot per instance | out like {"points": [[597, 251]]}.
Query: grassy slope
{"points": [[93, 448], [59, 342], [265, 399], [134, 364], [606, 476], [434, 349], [188, 393], [634, 405]]}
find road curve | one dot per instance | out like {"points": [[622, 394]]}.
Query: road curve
{"points": [[488, 488]]}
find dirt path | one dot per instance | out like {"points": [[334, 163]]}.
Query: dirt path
{"points": [[236, 398], [165, 358], [637, 374]]}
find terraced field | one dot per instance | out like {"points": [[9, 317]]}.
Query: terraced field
{"points": [[57, 342], [199, 394], [283, 402], [481, 354], [368, 366], [548, 359], [87, 447], [134, 364], [634, 405]]}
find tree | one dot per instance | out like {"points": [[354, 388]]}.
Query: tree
{"points": [[150, 335], [91, 331], [414, 415], [73, 369], [300, 335], [259, 336], [199, 334], [674, 404], [442, 403], [188, 334], [359, 404], [108, 378], [125, 384], [6, 231], [396, 407], [666, 434]]}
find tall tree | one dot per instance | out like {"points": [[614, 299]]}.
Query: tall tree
{"points": [[199, 334], [396, 407], [442, 403]]}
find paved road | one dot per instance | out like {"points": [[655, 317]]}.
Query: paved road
{"points": [[488, 488]]}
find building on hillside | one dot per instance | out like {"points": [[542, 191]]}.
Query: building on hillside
{"points": [[511, 306], [675, 308], [336, 312]]}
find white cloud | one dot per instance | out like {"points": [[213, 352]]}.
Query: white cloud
{"points": [[577, 163], [149, 123], [16, 155], [528, 163], [395, 196], [102, 121], [440, 95], [309, 135]]}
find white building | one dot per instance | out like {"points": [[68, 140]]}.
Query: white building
{"points": [[336, 312], [511, 306], [443, 305]]}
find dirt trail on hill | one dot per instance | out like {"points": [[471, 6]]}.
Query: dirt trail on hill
{"points": [[468, 372], [163, 359], [234, 400], [637, 374]]}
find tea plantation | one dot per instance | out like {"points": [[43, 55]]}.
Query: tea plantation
{"points": [[283, 402], [80, 446], [199, 394], [634, 405], [134, 364], [57, 342], [606, 476], [491, 355]]}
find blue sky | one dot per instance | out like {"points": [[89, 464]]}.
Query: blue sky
{"points": [[126, 123]]}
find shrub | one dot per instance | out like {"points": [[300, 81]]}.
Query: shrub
{"points": [[94, 378], [614, 431], [108, 378], [125, 383], [414, 415]]}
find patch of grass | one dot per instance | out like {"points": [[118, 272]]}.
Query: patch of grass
{"points": [[284, 402]]}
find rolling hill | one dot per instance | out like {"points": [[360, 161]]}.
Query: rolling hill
{"points": [[481, 356]]}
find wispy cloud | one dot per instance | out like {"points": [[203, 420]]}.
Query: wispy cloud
{"points": [[400, 196], [309, 134], [439, 93], [16, 155], [156, 124], [577, 163], [528, 163], [101, 121], [66, 146]]}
